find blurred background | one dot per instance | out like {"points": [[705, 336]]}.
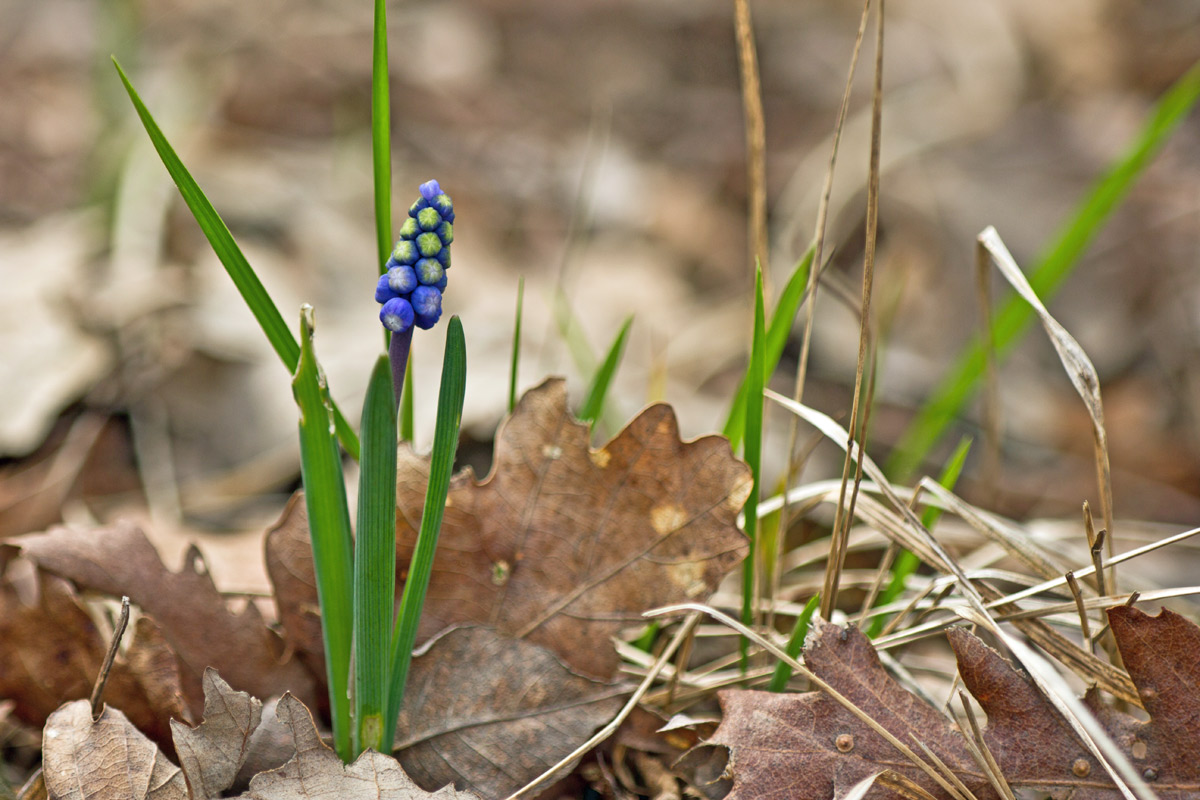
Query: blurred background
{"points": [[596, 148]]}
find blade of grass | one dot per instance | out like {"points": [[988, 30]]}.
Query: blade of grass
{"points": [[516, 348], [777, 334], [445, 444], [375, 559], [755, 377], [593, 403], [329, 526], [1050, 270], [381, 136], [231, 256], [907, 562], [783, 672]]}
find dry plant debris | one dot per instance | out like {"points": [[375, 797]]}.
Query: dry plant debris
{"points": [[191, 613], [809, 746], [110, 758], [563, 545]]}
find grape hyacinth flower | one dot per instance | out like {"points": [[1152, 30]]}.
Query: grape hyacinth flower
{"points": [[410, 289]]}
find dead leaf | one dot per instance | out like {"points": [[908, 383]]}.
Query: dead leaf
{"points": [[290, 568], [1035, 747], [564, 545], [186, 605], [212, 753], [109, 758], [809, 746], [490, 713], [52, 652], [316, 773]]}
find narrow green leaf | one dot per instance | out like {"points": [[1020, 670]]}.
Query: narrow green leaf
{"points": [[375, 559], [593, 403], [329, 526], [907, 562], [756, 377], [516, 348], [572, 334], [777, 335], [783, 671], [381, 136], [1048, 273], [441, 467], [231, 256]]}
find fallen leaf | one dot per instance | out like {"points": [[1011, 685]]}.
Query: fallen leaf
{"points": [[490, 713], [212, 753], [52, 652], [290, 568], [108, 758], [1034, 746], [564, 545], [316, 773], [191, 613], [809, 746]]}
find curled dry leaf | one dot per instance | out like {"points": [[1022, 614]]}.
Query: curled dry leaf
{"points": [[190, 611], [316, 773], [1036, 749], [809, 746], [212, 753], [564, 545], [51, 651], [490, 713], [290, 568]]}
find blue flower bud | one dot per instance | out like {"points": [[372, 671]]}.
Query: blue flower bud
{"points": [[383, 292], [405, 252], [401, 279], [443, 257], [445, 232], [429, 219], [429, 271], [416, 207], [397, 314], [429, 245], [409, 229], [427, 306], [429, 190], [441, 285], [444, 206]]}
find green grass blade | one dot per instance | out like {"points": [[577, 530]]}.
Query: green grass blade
{"points": [[572, 334], [755, 377], [441, 467], [329, 526], [593, 402], [231, 256], [906, 563], [1048, 273], [516, 348], [381, 136], [375, 559], [777, 333], [783, 671], [406, 402]]}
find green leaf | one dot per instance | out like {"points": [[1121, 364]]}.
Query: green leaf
{"points": [[516, 348], [441, 467], [381, 136], [1048, 273], [755, 378], [593, 403], [231, 256], [783, 671], [375, 559], [777, 334], [907, 562], [329, 526]]}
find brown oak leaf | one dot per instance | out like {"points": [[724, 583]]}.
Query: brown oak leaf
{"points": [[564, 545], [808, 746], [191, 613], [490, 713], [1034, 746]]}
